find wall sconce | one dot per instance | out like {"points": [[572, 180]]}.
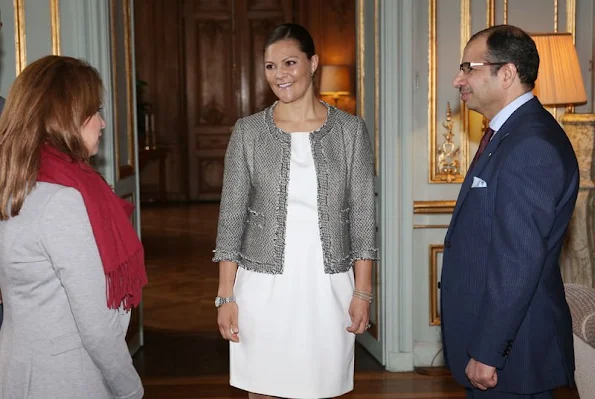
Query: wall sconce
{"points": [[560, 83], [335, 81]]}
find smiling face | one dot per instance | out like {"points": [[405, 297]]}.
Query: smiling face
{"points": [[91, 131], [288, 70], [481, 90]]}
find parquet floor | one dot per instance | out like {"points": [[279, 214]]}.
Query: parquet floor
{"points": [[184, 357]]}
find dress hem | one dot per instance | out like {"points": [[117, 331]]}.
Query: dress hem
{"points": [[246, 387]]}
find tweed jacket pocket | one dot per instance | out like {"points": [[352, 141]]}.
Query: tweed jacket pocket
{"points": [[345, 248], [255, 218], [252, 242]]}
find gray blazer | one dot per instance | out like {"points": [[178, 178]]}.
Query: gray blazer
{"points": [[254, 198], [59, 339]]}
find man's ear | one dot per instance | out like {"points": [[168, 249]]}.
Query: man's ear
{"points": [[509, 73]]}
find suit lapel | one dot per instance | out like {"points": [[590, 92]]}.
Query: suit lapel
{"points": [[479, 166], [503, 132]]}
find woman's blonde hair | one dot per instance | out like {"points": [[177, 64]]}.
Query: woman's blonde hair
{"points": [[49, 102]]}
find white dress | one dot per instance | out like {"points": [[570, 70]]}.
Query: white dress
{"points": [[293, 338]]}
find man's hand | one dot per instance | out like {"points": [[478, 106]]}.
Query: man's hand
{"points": [[481, 375]]}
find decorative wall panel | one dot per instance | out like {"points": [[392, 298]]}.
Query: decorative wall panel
{"points": [[454, 132]]}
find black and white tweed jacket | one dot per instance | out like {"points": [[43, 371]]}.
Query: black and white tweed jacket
{"points": [[253, 208]]}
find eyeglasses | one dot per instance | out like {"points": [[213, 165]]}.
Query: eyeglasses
{"points": [[467, 67]]}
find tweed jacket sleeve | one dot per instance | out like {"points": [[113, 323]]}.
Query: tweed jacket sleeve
{"points": [[234, 198], [362, 198]]}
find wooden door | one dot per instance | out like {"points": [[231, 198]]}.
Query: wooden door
{"points": [[224, 78]]}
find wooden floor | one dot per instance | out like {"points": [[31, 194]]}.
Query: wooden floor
{"points": [[184, 356]]}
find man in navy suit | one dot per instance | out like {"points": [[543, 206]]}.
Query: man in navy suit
{"points": [[506, 326]]}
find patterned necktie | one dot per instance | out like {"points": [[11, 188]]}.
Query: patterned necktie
{"points": [[485, 140]]}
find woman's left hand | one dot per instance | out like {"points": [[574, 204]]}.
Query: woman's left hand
{"points": [[359, 311]]}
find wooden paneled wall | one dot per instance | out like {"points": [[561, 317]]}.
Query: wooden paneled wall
{"points": [[332, 26], [163, 56], [159, 53]]}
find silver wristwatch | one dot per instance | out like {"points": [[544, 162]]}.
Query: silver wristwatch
{"points": [[221, 301]]}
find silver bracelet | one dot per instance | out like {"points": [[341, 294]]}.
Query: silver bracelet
{"points": [[363, 295]]}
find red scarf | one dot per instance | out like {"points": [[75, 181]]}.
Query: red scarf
{"points": [[120, 249]]}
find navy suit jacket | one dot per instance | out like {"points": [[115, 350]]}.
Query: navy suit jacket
{"points": [[502, 295]]}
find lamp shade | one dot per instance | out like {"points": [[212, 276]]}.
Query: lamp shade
{"points": [[334, 80], [559, 80]]}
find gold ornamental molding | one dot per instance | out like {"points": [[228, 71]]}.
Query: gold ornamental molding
{"points": [[430, 226], [363, 50], [491, 13], [435, 249], [361, 74], [448, 152], [433, 207], [377, 85], [126, 169], [361, 36], [465, 23], [432, 90], [556, 16], [447, 159], [361, 99], [20, 35], [55, 26], [361, 66], [579, 119], [127, 11], [115, 84], [466, 123], [464, 118], [571, 18], [570, 27]]}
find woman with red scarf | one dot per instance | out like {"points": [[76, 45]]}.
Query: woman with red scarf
{"points": [[71, 264]]}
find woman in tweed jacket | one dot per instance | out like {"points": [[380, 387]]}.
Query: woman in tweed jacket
{"points": [[298, 217]]}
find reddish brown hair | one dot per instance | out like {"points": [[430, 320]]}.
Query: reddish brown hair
{"points": [[49, 102]]}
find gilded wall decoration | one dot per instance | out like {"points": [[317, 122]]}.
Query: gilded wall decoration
{"points": [[467, 124], [444, 153], [577, 260], [448, 152], [20, 39], [55, 26], [436, 251], [362, 53]]}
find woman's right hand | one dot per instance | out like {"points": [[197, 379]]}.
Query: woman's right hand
{"points": [[227, 319]]}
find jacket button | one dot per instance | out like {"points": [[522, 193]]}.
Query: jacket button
{"points": [[447, 244], [438, 284]]}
